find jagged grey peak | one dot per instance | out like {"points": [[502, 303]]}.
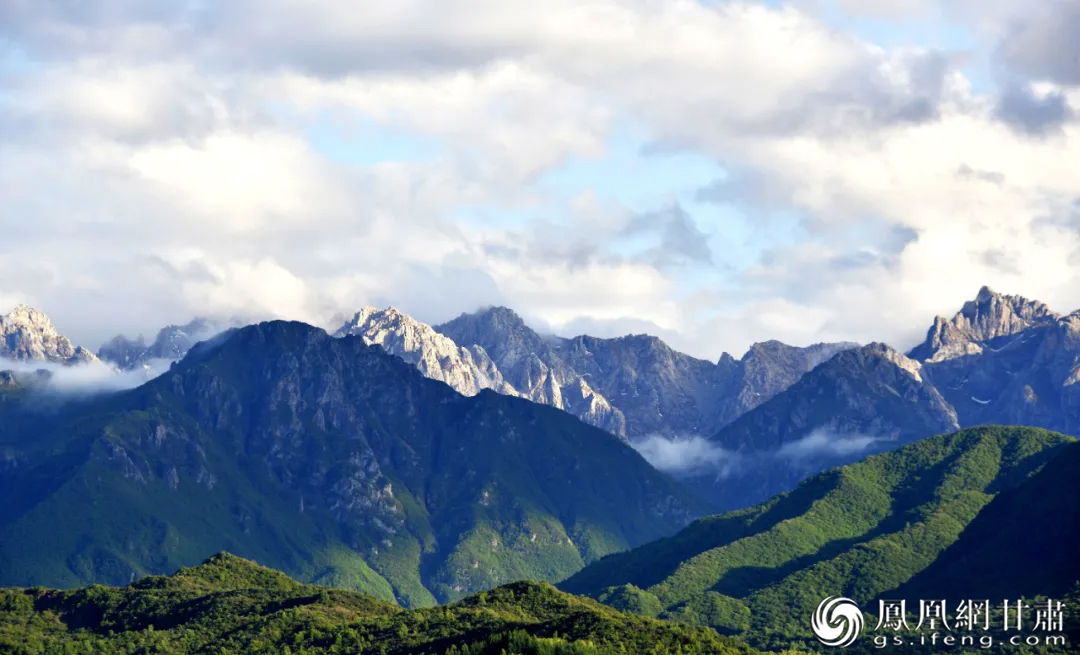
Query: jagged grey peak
{"points": [[467, 370], [532, 364], [656, 388], [873, 389], [28, 335], [659, 390], [856, 403], [767, 368], [990, 316], [172, 343], [122, 352], [1028, 378]]}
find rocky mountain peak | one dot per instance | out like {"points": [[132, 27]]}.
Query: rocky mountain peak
{"points": [[506, 338], [993, 314], [389, 314], [989, 316], [815, 353], [386, 319], [644, 345], [467, 370], [27, 334], [769, 367], [905, 363], [532, 364], [502, 316], [772, 345], [490, 322], [27, 315]]}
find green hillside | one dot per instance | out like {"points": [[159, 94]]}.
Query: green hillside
{"points": [[1028, 535], [325, 458], [862, 531], [230, 605]]}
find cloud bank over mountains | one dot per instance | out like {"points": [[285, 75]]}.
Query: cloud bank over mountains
{"points": [[166, 160]]}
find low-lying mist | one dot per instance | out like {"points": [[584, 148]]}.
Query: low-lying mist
{"points": [[686, 455], [824, 442], [81, 379], [697, 456]]}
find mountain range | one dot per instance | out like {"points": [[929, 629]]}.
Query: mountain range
{"points": [[1001, 359], [325, 457], [634, 386], [306, 427], [736, 431], [420, 464]]}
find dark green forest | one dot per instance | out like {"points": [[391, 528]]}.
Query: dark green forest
{"points": [[230, 605]]}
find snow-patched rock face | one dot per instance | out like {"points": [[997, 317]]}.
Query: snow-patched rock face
{"points": [[467, 370], [28, 335]]}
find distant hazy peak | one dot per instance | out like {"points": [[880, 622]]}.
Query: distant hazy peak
{"points": [[488, 320], [28, 335], [989, 316], [196, 325], [501, 314], [172, 342]]}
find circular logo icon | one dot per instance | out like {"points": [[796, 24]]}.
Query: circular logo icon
{"points": [[837, 622]]}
